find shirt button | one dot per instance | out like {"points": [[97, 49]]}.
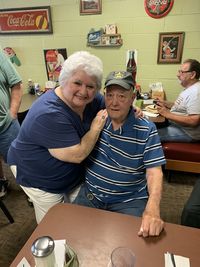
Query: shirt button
{"points": [[90, 196]]}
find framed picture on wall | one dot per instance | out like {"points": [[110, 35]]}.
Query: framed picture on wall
{"points": [[54, 59], [170, 47], [94, 37], [90, 7], [25, 20]]}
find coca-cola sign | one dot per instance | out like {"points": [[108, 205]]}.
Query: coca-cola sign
{"points": [[25, 20], [158, 8]]}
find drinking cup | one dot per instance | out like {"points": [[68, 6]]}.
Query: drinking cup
{"points": [[122, 257]]}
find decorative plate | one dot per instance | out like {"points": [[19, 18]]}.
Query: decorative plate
{"points": [[158, 8]]}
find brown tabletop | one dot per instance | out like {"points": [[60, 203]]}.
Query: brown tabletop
{"points": [[27, 101], [159, 119], [94, 233]]}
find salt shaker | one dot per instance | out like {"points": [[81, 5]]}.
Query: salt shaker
{"points": [[43, 252]]}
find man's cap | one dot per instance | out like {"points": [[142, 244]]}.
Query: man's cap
{"points": [[122, 78]]}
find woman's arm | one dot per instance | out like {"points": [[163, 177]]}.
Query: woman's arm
{"points": [[79, 152]]}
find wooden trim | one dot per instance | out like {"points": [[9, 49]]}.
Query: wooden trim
{"points": [[185, 166]]}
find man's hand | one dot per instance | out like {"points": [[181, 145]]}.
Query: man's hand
{"points": [[164, 103], [163, 111], [151, 225]]}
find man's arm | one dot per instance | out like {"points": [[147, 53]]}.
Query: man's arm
{"points": [[190, 120], [16, 96], [152, 224], [79, 152]]}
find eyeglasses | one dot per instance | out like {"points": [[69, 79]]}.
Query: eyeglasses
{"points": [[183, 71]]}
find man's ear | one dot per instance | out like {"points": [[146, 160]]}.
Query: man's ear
{"points": [[133, 96], [193, 75]]}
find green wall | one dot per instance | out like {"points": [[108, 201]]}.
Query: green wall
{"points": [[138, 31]]}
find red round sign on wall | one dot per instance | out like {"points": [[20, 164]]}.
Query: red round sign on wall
{"points": [[158, 8]]}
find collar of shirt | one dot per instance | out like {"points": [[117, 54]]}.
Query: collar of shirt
{"points": [[127, 126]]}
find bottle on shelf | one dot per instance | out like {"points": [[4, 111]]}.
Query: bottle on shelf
{"points": [[131, 64]]}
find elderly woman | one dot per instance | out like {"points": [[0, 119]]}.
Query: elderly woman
{"points": [[58, 133]]}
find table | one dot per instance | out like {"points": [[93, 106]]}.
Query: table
{"points": [[159, 120], [94, 233], [27, 101]]}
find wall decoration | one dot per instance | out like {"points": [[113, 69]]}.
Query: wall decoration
{"points": [[94, 37], [26, 20], [101, 38], [170, 47], [110, 29], [90, 7], [54, 59], [12, 55], [158, 9]]}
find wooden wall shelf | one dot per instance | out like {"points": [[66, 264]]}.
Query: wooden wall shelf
{"points": [[107, 40], [102, 45]]}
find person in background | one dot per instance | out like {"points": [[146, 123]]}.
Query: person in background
{"points": [[184, 114], [58, 133], [123, 172], [10, 99], [191, 212]]}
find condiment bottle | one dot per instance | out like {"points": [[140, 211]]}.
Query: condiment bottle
{"points": [[43, 252], [131, 65]]}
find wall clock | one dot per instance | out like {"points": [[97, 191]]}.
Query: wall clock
{"points": [[158, 8]]}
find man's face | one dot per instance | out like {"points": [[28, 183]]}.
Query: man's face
{"points": [[184, 75], [118, 102]]}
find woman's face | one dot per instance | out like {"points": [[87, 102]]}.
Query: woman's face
{"points": [[80, 89]]}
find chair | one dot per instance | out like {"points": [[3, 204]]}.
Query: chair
{"points": [[2, 205], [182, 157], [6, 212]]}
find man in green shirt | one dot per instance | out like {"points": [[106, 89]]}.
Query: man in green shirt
{"points": [[10, 99]]}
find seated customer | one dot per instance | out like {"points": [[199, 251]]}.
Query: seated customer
{"points": [[184, 114], [191, 212], [123, 172]]}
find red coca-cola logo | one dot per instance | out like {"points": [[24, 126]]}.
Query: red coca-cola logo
{"points": [[23, 20], [158, 8]]}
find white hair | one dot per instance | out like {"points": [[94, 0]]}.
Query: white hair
{"points": [[82, 60]]}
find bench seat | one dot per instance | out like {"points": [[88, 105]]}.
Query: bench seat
{"points": [[182, 156]]}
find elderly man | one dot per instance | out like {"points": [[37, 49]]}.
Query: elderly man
{"points": [[123, 172], [184, 114]]}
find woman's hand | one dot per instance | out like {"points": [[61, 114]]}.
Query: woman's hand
{"points": [[99, 121], [138, 112]]}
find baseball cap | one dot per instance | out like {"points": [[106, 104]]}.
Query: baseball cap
{"points": [[122, 78]]}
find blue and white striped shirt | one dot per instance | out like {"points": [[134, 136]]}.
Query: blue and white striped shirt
{"points": [[116, 167]]}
